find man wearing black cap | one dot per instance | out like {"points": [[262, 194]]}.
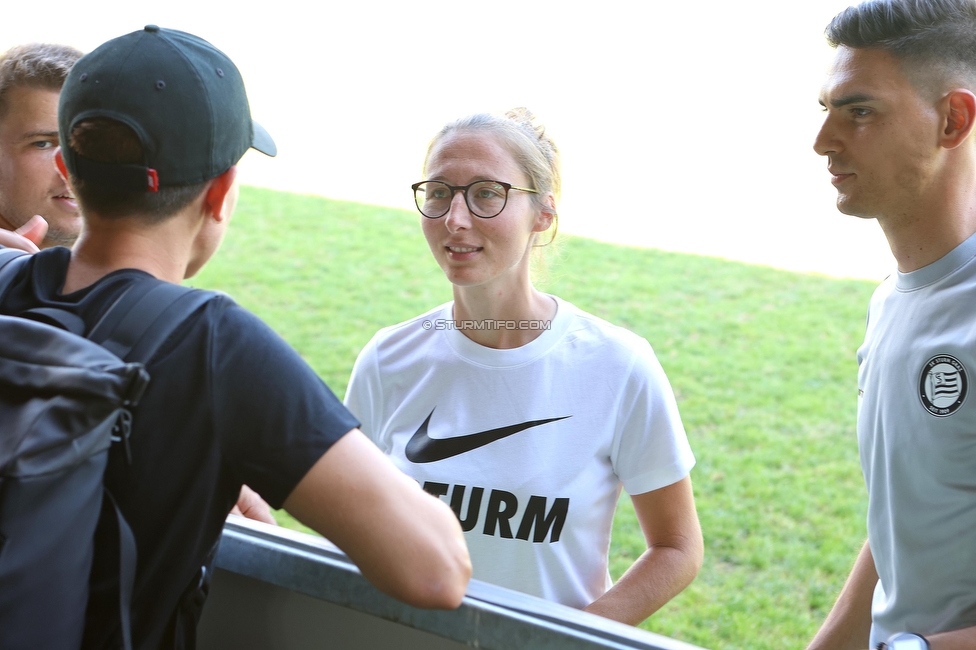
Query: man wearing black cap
{"points": [[152, 125]]}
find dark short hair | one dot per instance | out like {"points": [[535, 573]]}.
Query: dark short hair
{"points": [[106, 140], [931, 35], [35, 65]]}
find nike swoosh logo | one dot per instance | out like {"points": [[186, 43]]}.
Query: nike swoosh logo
{"points": [[423, 449]]}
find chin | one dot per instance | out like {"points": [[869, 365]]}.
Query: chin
{"points": [[463, 277], [845, 205], [56, 237], [461, 281]]}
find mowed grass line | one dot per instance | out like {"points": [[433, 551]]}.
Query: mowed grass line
{"points": [[762, 362]]}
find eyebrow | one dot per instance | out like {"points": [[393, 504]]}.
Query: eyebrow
{"points": [[849, 99], [40, 134]]}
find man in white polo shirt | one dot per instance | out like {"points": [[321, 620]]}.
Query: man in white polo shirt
{"points": [[898, 135]]}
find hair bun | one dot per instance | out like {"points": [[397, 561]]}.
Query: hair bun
{"points": [[526, 120], [523, 116]]}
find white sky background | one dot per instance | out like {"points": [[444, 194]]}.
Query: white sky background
{"points": [[683, 126]]}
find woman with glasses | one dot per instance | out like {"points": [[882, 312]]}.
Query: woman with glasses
{"points": [[524, 413]]}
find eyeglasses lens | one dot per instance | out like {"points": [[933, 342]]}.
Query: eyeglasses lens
{"points": [[484, 198]]}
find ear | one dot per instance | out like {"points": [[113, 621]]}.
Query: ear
{"points": [[215, 198], [547, 214], [59, 162], [960, 118]]}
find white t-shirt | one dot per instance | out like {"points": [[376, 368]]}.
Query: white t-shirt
{"points": [[541, 438], [916, 431]]}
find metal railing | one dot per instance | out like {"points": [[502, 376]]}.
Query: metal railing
{"points": [[280, 589]]}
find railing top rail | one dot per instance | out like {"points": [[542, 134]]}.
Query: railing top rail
{"points": [[489, 615]]}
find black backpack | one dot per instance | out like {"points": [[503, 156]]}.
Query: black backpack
{"points": [[64, 399]]}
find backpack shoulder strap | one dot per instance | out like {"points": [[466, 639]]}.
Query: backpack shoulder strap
{"points": [[133, 328], [128, 558], [144, 316]]}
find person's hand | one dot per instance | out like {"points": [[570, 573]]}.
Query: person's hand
{"points": [[252, 506], [28, 237]]}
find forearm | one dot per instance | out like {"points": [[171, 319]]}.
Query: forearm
{"points": [[425, 560], [848, 626], [406, 542], [657, 576], [964, 639]]}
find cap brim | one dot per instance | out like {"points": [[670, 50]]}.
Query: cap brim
{"points": [[261, 140]]}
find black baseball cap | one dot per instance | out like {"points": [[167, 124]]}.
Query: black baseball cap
{"points": [[184, 99]]}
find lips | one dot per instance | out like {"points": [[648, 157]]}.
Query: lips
{"points": [[67, 199], [837, 176], [462, 252]]}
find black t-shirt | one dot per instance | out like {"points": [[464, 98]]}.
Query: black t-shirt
{"points": [[228, 403]]}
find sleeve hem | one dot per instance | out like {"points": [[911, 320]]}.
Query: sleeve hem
{"points": [[659, 478]]}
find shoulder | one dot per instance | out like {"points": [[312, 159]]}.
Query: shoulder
{"points": [[30, 279], [255, 370], [50, 262], [397, 353], [614, 342], [878, 298], [224, 312], [232, 329], [224, 337], [408, 336], [887, 287], [602, 349], [604, 329]]}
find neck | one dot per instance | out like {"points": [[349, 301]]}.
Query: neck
{"points": [[940, 220], [520, 304], [162, 250]]}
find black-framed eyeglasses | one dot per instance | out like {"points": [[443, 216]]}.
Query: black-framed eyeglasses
{"points": [[485, 199]]}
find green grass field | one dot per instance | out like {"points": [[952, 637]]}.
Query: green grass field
{"points": [[762, 362]]}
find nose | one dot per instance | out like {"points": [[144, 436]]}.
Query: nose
{"points": [[458, 217], [826, 141]]}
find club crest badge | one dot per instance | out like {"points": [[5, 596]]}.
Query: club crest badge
{"points": [[942, 385]]}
